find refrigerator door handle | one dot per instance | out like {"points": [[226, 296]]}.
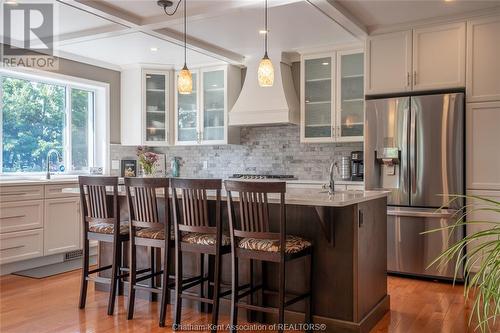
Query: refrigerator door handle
{"points": [[413, 149], [417, 212]]}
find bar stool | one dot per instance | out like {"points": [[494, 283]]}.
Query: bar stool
{"points": [[101, 222], [194, 233], [150, 227], [252, 239]]}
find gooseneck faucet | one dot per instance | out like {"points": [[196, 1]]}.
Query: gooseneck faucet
{"points": [[331, 187], [50, 152]]}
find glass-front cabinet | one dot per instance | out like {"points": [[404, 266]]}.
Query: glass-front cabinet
{"points": [[332, 97], [145, 106], [350, 95], [155, 107], [317, 98], [214, 105], [187, 114], [202, 116]]}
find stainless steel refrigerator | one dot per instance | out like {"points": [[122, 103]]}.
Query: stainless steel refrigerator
{"points": [[414, 148]]}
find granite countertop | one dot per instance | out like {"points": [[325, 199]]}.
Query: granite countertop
{"points": [[38, 180], [296, 196]]}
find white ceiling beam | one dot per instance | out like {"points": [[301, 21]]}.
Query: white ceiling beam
{"points": [[134, 24], [91, 34], [198, 45], [335, 11]]}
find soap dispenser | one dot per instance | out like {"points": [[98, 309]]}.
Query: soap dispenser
{"points": [[174, 165]]}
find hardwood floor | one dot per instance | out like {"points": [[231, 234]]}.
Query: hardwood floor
{"points": [[51, 305]]}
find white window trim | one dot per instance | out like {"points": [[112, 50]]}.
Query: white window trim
{"points": [[101, 124]]}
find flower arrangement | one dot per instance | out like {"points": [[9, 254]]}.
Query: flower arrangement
{"points": [[147, 160]]}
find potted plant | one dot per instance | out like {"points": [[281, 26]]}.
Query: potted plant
{"points": [[147, 160], [479, 253]]}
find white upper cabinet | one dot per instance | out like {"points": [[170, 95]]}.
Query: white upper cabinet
{"points": [[202, 116], [317, 119], [483, 59], [350, 101], [388, 63], [414, 60], [439, 57], [483, 137], [145, 104], [332, 97]]}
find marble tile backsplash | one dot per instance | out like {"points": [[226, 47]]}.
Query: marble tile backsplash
{"points": [[263, 150]]}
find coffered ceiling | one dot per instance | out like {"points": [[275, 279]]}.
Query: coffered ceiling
{"points": [[115, 33]]}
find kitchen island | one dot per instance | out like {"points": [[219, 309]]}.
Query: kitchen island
{"points": [[349, 233]]}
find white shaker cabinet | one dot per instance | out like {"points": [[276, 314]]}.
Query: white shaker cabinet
{"points": [[426, 58], [145, 106], [388, 63], [439, 57], [62, 225], [21, 245], [483, 59], [475, 215], [483, 138]]}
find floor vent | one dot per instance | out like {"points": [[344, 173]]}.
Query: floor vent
{"points": [[73, 255]]}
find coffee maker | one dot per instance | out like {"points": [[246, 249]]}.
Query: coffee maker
{"points": [[357, 172]]}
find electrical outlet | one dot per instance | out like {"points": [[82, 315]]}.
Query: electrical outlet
{"points": [[205, 165], [115, 164]]}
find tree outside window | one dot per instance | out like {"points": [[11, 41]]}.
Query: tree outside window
{"points": [[34, 120]]}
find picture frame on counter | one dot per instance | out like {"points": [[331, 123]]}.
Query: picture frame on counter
{"points": [[128, 168]]}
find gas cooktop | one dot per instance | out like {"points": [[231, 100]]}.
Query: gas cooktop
{"points": [[249, 176]]}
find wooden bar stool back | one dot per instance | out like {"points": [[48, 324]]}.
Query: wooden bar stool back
{"points": [[101, 222], [149, 226], [197, 232], [252, 238]]}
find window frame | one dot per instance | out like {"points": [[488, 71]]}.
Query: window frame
{"points": [[100, 101]]}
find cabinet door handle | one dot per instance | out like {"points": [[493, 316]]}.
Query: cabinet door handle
{"points": [[12, 248], [333, 131], [407, 79], [360, 218], [414, 78]]}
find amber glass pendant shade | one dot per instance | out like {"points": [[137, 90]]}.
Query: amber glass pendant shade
{"points": [[185, 81], [266, 72]]}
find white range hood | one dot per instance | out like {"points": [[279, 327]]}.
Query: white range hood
{"points": [[266, 106]]}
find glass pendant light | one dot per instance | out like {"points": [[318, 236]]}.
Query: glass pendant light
{"points": [[265, 73], [185, 79]]}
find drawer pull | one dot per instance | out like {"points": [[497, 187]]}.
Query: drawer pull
{"points": [[12, 248], [13, 193], [11, 217]]}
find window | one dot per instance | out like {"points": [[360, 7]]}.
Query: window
{"points": [[39, 115]]}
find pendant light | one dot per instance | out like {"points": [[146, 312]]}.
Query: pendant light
{"points": [[265, 73], [185, 79]]}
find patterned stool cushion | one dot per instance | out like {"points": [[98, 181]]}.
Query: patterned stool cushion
{"points": [[151, 233], [105, 228], [293, 244], [203, 239]]}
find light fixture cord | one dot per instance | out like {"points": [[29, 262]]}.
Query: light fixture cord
{"points": [[267, 30], [185, 31]]}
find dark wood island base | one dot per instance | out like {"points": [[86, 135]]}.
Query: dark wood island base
{"points": [[349, 268]]}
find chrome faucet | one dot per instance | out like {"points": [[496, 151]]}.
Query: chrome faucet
{"points": [[59, 159], [331, 187]]}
